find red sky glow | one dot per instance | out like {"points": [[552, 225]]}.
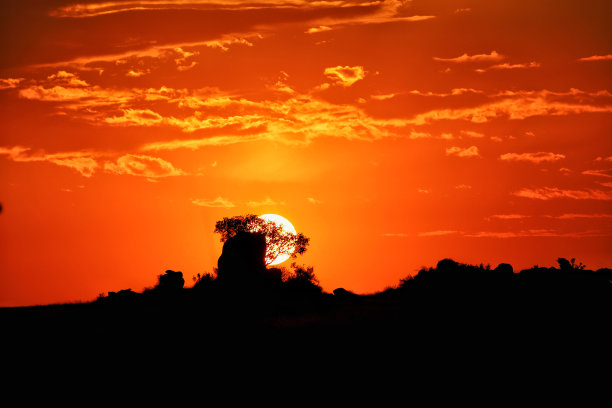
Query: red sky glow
{"points": [[392, 133]]}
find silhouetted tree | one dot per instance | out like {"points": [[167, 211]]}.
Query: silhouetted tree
{"points": [[277, 240]]}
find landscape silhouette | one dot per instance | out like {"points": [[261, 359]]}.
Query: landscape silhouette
{"points": [[448, 303]]}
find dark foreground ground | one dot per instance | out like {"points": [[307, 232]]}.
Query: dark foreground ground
{"points": [[453, 335], [450, 309]]}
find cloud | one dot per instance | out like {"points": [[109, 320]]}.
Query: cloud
{"points": [[84, 165], [514, 234], [55, 94], [267, 201], [535, 233], [492, 56], [136, 117], [318, 29], [82, 162], [67, 79], [471, 133], [342, 13], [548, 193], [281, 84], [194, 144], [218, 202], [505, 234], [507, 216], [504, 66], [175, 53], [419, 135], [463, 187], [517, 107], [143, 166], [471, 151], [538, 157], [296, 120], [574, 216], [375, 12], [453, 92], [224, 42], [289, 117], [137, 73], [9, 83], [345, 75], [312, 200], [600, 173], [436, 233], [68, 87], [85, 10], [383, 97], [596, 58]]}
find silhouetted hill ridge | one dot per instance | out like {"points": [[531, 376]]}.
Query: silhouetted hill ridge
{"points": [[451, 296]]}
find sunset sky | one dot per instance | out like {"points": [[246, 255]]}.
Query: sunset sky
{"points": [[392, 133]]}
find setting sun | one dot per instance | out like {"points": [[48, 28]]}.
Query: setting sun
{"points": [[287, 228]]}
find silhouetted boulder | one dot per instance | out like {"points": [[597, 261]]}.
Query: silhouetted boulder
{"points": [[243, 261], [171, 281]]}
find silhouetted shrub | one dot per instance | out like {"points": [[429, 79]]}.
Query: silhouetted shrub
{"points": [[203, 281], [566, 265], [461, 282], [121, 295], [303, 280], [504, 269]]}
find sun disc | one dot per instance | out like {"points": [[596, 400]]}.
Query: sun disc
{"points": [[287, 228]]}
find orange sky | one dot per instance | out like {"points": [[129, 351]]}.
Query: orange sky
{"points": [[392, 133]]}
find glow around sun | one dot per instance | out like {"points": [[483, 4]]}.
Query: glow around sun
{"points": [[287, 227]]}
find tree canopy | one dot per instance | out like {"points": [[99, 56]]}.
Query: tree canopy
{"points": [[278, 241]]}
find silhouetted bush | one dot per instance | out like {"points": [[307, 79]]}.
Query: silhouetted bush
{"points": [[302, 280], [123, 295], [566, 265], [504, 269], [203, 281]]}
